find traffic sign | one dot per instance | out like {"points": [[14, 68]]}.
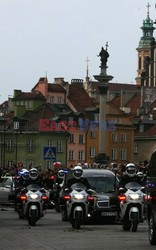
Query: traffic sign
{"points": [[49, 153]]}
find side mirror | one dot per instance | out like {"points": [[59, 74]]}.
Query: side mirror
{"points": [[8, 186]]}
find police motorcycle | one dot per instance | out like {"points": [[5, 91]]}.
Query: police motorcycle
{"points": [[132, 205], [33, 203], [78, 203]]}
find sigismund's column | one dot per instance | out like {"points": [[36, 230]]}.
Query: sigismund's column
{"points": [[103, 80]]}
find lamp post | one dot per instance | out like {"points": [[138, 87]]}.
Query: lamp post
{"points": [[16, 129], [2, 131]]}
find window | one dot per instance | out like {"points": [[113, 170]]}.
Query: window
{"points": [[16, 125], [71, 155], [123, 154], [96, 117], [114, 137], [81, 155], [80, 138], [59, 146], [29, 104], [59, 99], [9, 145], [51, 99], [114, 154], [30, 145], [71, 138], [92, 134], [71, 119], [51, 143], [141, 128], [92, 152], [123, 137], [135, 148]]}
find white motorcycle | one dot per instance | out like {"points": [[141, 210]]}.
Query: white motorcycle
{"points": [[132, 206], [79, 205], [33, 200]]}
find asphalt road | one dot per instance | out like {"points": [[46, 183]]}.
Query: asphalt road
{"points": [[53, 234]]}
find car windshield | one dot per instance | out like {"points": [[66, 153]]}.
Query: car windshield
{"points": [[102, 184]]}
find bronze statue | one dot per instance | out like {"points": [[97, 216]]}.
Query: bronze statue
{"points": [[104, 56]]}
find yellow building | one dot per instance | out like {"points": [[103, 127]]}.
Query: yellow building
{"points": [[119, 136]]}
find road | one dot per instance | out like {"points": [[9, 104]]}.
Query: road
{"points": [[53, 234]]}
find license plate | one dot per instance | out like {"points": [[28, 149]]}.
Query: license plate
{"points": [[108, 213]]}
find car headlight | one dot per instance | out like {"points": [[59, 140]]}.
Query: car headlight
{"points": [[134, 196], [34, 196], [78, 196]]}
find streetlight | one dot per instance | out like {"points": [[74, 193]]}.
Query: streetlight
{"points": [[2, 131]]}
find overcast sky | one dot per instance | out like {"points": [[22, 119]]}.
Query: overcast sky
{"points": [[56, 36]]}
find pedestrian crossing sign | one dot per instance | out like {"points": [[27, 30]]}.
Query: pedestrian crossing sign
{"points": [[49, 153]]}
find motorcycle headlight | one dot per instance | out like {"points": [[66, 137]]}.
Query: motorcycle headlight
{"points": [[78, 196], [34, 196], [134, 196]]}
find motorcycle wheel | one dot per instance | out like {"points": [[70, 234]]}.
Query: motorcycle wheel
{"points": [[32, 220], [64, 216], [134, 222], [77, 221], [152, 230], [126, 225], [57, 207]]}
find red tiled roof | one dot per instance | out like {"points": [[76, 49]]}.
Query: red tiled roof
{"points": [[30, 96], [79, 98], [43, 112], [150, 132], [134, 104], [116, 101], [120, 86], [54, 87]]}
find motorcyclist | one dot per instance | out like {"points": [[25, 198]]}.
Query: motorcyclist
{"points": [[129, 176], [77, 172], [20, 182], [34, 177], [77, 178]]}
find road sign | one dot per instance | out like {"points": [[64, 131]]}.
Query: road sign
{"points": [[49, 153]]}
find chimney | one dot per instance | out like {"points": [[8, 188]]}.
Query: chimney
{"points": [[59, 80]]}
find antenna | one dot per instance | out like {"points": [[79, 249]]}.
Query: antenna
{"points": [[87, 60]]}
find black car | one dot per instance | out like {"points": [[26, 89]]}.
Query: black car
{"points": [[104, 189], [151, 209], [104, 183]]}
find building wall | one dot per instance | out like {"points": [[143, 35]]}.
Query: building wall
{"points": [[76, 147], [37, 155], [146, 148]]}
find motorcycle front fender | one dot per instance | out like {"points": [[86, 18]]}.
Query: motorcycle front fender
{"points": [[33, 209], [77, 209], [133, 210]]}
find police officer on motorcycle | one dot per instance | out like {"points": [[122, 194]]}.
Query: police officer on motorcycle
{"points": [[77, 178], [130, 176]]}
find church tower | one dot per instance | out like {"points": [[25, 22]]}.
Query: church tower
{"points": [[144, 51]]}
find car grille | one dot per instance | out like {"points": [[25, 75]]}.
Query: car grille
{"points": [[102, 204]]}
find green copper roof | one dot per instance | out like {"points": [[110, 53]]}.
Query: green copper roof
{"points": [[147, 38]]}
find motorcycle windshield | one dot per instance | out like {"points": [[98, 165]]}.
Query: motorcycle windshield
{"points": [[33, 187], [78, 186], [133, 186]]}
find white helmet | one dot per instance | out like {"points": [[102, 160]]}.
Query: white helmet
{"points": [[61, 174], [130, 170], [77, 172], [33, 173]]}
